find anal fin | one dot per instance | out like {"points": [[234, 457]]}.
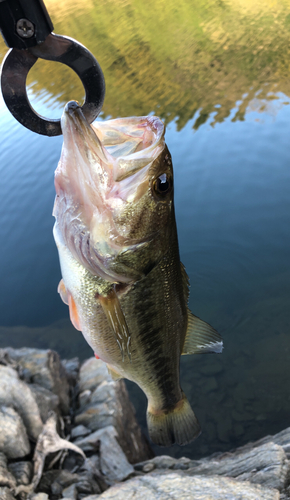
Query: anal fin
{"points": [[201, 337], [115, 316], [114, 374]]}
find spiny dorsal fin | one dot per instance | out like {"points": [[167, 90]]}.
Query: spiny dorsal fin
{"points": [[201, 337]]}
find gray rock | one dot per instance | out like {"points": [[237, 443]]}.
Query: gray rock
{"points": [[13, 437], [48, 442], [15, 393], [5, 494], [70, 492], [79, 431], [43, 367], [91, 497], [63, 480], [282, 439], [174, 486], [97, 416], [22, 471], [6, 477], [39, 496], [72, 368], [85, 397], [91, 480], [92, 373], [113, 462], [159, 462], [46, 400], [266, 465], [148, 467], [87, 480]]}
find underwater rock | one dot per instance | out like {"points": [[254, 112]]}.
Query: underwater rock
{"points": [[13, 437], [15, 393], [223, 428], [174, 486], [214, 367], [210, 384]]}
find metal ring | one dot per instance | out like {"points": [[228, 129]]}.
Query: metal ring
{"points": [[18, 63]]}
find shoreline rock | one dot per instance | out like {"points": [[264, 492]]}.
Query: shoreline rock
{"points": [[69, 431]]}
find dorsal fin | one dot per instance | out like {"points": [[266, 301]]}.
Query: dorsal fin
{"points": [[201, 337]]}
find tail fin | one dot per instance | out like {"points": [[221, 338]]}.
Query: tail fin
{"points": [[178, 425]]}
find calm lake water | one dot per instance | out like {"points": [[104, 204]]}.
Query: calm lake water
{"points": [[217, 72]]}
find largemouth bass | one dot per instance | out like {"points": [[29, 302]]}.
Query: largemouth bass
{"points": [[124, 283]]}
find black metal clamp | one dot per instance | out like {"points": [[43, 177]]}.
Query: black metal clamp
{"points": [[26, 26]]}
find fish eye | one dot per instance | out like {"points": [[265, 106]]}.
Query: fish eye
{"points": [[162, 185]]}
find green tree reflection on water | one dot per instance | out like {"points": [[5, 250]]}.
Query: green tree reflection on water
{"points": [[174, 58]]}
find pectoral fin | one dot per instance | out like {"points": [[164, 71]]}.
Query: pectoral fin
{"points": [[73, 313], [201, 337], [112, 309], [62, 292], [67, 298]]}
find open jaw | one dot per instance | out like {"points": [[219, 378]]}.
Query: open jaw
{"points": [[102, 170]]}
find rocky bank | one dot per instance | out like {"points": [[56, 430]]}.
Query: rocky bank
{"points": [[69, 431]]}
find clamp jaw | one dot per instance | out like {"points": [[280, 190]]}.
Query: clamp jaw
{"points": [[26, 26]]}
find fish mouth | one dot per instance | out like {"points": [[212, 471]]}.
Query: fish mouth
{"points": [[103, 168], [113, 150]]}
